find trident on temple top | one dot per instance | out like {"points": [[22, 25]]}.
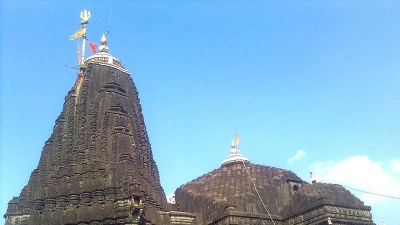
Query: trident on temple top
{"points": [[81, 33], [85, 15]]}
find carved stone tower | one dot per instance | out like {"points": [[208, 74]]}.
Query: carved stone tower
{"points": [[97, 167]]}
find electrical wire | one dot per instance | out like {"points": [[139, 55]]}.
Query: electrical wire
{"points": [[255, 187], [386, 196]]}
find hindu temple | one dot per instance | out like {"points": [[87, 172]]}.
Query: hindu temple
{"points": [[97, 167]]}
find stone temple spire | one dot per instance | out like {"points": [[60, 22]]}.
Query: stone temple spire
{"points": [[97, 166], [104, 57]]}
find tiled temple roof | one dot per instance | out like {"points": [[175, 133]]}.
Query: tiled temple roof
{"points": [[232, 180], [231, 186], [310, 194]]}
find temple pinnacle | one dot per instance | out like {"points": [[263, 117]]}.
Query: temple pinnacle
{"points": [[235, 155], [81, 33], [103, 47]]}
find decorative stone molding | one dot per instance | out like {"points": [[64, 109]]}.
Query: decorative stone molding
{"points": [[317, 215]]}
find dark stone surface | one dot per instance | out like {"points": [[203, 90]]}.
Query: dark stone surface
{"points": [[230, 185], [98, 162], [227, 196]]}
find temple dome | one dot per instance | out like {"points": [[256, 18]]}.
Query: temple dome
{"points": [[105, 59], [230, 186], [234, 158], [315, 193]]}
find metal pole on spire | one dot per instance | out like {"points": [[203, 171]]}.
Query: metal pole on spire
{"points": [[83, 47], [81, 33], [237, 141], [85, 15], [108, 25]]}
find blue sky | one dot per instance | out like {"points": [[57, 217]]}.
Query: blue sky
{"points": [[307, 85]]}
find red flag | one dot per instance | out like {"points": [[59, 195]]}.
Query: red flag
{"points": [[92, 47]]}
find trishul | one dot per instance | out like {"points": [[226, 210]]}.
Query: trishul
{"points": [[85, 15]]}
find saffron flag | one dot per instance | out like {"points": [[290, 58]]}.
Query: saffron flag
{"points": [[78, 34], [237, 138], [79, 55], [93, 47]]}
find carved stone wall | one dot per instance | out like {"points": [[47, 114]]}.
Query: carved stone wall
{"points": [[97, 166], [337, 215], [241, 218]]}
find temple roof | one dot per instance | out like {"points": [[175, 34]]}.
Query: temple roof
{"points": [[234, 158], [310, 194], [103, 57], [106, 59], [232, 180]]}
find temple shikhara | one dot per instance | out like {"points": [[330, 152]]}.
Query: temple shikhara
{"points": [[97, 167]]}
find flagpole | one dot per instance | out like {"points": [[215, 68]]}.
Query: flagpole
{"points": [[83, 45], [85, 15], [81, 33]]}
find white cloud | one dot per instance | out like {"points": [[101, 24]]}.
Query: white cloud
{"points": [[395, 165], [170, 198], [298, 155], [359, 172]]}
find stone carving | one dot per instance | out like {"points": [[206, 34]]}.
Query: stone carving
{"points": [[334, 211], [88, 163]]}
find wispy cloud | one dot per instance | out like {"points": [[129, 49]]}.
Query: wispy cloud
{"points": [[298, 155]]}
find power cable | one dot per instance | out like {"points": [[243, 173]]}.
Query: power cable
{"points": [[387, 196], [255, 187]]}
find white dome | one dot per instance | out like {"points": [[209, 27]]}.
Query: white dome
{"points": [[232, 158]]}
